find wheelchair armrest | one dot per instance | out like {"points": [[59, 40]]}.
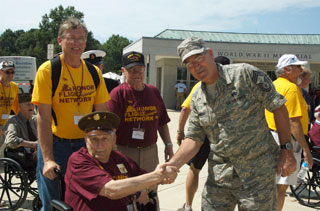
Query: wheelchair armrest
{"points": [[315, 147], [60, 205]]}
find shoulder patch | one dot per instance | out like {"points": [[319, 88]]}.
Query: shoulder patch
{"points": [[262, 81]]}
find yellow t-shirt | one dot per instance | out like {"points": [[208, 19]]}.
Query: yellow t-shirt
{"points": [[8, 100], [186, 102], [296, 105], [64, 102]]}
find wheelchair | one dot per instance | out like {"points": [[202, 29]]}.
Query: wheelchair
{"points": [[307, 191], [16, 180]]}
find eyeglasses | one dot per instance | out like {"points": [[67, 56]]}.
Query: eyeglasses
{"points": [[94, 139], [71, 39], [9, 72], [197, 60], [135, 70]]}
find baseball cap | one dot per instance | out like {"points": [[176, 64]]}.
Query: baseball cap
{"points": [[191, 46], [93, 56], [289, 59], [6, 65], [132, 59], [99, 120]]}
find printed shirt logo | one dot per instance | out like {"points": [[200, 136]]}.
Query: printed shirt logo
{"points": [[68, 94], [140, 113]]}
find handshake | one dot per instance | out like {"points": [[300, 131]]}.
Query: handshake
{"points": [[166, 173]]}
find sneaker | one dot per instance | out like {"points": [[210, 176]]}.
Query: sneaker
{"points": [[185, 208]]}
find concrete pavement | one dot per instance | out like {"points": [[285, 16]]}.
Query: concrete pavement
{"points": [[172, 196]]}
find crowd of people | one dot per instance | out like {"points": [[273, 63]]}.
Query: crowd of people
{"points": [[102, 135]]}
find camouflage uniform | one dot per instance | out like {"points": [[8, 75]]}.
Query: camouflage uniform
{"points": [[243, 159]]}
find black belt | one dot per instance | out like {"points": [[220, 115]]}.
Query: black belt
{"points": [[66, 140], [137, 147]]}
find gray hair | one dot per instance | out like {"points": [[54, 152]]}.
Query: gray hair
{"points": [[279, 72], [316, 112], [71, 23]]}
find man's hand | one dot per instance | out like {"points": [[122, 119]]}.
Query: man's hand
{"points": [[143, 198], [286, 163], [48, 169], [180, 137], [308, 158], [168, 173], [168, 152]]}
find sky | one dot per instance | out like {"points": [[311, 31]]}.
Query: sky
{"points": [[146, 18]]}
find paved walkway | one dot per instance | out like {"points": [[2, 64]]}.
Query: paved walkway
{"points": [[172, 196]]}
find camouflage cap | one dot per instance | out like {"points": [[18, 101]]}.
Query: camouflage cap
{"points": [[191, 46], [99, 120]]}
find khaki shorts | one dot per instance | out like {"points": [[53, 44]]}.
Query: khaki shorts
{"points": [[146, 158], [292, 179]]}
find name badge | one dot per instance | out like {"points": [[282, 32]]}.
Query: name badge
{"points": [[138, 133], [5, 116], [76, 119], [122, 168], [77, 116]]}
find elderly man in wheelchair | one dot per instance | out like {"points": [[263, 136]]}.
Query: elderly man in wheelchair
{"points": [[18, 166], [21, 134], [99, 177]]}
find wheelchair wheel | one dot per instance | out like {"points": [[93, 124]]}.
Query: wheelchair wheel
{"points": [[307, 192], [13, 185]]}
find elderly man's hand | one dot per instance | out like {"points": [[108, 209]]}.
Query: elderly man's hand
{"points": [[143, 198], [286, 163], [169, 173], [48, 169]]}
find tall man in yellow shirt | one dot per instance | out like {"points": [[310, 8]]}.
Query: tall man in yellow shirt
{"points": [[288, 72], [59, 110]]}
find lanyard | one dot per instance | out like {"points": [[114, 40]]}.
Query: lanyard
{"points": [[6, 99], [75, 87]]}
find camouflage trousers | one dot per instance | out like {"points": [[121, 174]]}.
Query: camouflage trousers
{"points": [[260, 195]]}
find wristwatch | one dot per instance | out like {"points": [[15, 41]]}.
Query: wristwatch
{"points": [[287, 146]]}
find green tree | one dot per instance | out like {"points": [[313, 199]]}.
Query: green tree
{"points": [[113, 47], [7, 42]]}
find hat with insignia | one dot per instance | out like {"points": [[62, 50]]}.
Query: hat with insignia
{"points": [[132, 59], [99, 120], [6, 65], [289, 59], [24, 97], [190, 47], [93, 56]]}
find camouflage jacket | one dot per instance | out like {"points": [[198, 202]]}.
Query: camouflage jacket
{"points": [[233, 119]]}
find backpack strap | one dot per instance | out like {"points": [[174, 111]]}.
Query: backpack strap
{"points": [[94, 74], [55, 77]]}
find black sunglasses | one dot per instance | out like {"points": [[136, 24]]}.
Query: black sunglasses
{"points": [[9, 72]]}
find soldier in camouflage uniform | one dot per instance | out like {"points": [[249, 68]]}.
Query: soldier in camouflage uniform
{"points": [[228, 108]]}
